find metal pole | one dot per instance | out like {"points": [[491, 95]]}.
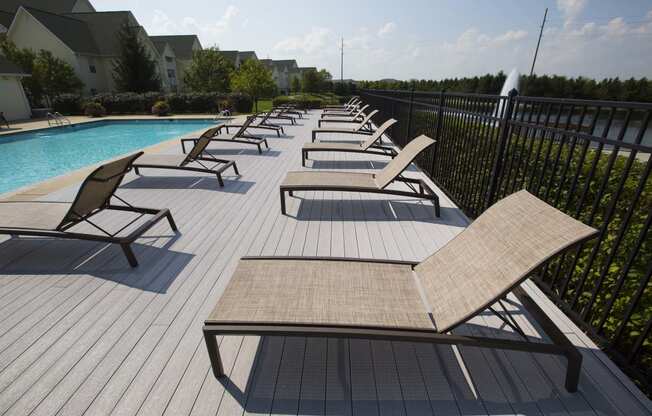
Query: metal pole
{"points": [[536, 51], [342, 62]]}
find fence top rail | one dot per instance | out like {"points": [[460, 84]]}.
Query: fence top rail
{"points": [[521, 98]]}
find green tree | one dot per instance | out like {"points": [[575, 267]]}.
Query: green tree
{"points": [[55, 76], [209, 71], [310, 81], [134, 70], [295, 85], [253, 79], [50, 76]]}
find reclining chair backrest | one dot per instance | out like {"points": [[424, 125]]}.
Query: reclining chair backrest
{"points": [[378, 133], [366, 120], [245, 126], [493, 255], [97, 189], [406, 156]]}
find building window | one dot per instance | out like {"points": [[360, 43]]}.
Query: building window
{"points": [[171, 74], [92, 69], [169, 59], [93, 91]]}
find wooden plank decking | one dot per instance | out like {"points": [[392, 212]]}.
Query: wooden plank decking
{"points": [[81, 333]]}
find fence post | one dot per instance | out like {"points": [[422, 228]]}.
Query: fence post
{"points": [[409, 121], [503, 135], [438, 128]]}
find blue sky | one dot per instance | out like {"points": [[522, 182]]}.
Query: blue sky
{"points": [[418, 39]]}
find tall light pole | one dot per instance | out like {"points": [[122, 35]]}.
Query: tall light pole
{"points": [[536, 51], [342, 61]]}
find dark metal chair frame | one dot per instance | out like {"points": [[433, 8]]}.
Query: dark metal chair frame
{"points": [[195, 155], [239, 137], [4, 120], [73, 218], [262, 124], [560, 344], [424, 190]]}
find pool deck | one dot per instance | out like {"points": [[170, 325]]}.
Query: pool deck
{"points": [[82, 333]]}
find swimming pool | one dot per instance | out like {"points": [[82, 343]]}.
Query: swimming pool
{"points": [[31, 157]]}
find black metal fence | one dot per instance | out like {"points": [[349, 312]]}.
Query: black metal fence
{"points": [[590, 159]]}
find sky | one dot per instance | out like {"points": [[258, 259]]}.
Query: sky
{"points": [[421, 39]]}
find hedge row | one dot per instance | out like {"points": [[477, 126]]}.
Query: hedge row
{"points": [[133, 103], [305, 102]]}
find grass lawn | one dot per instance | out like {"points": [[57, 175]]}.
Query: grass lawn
{"points": [[264, 105]]}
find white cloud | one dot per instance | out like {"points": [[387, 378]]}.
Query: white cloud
{"points": [[570, 8], [162, 24], [312, 42], [387, 29]]}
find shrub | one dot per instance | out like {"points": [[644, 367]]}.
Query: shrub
{"points": [[241, 103], [68, 104], [304, 101], [94, 109], [161, 108]]}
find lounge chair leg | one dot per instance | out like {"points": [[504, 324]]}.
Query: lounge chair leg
{"points": [[131, 258], [573, 369], [304, 156], [136, 171], [437, 208], [283, 201], [173, 225], [282, 131], [313, 136], [183, 147], [235, 169], [219, 180], [214, 354]]}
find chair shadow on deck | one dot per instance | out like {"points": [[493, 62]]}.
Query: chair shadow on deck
{"points": [[398, 209], [351, 376], [240, 151], [346, 164], [158, 265], [206, 183]]}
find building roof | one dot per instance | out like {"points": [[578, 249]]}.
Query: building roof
{"points": [[284, 64], [9, 68], [72, 31], [244, 55], [6, 18], [180, 44], [104, 28], [231, 56], [52, 6], [307, 68]]}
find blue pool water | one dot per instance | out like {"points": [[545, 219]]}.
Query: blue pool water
{"points": [[28, 158]]}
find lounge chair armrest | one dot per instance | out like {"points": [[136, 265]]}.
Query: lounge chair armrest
{"points": [[321, 258]]}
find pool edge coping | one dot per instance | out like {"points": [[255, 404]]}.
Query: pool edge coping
{"points": [[40, 189]]}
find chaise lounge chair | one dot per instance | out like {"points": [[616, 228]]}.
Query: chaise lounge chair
{"points": [[362, 127], [356, 118], [352, 103], [368, 146], [240, 136], [348, 115], [55, 219], [196, 160], [366, 182], [408, 301], [262, 123]]}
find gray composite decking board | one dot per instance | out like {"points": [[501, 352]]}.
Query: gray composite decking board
{"points": [[130, 342], [140, 388]]}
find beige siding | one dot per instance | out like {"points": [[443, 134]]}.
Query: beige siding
{"points": [[13, 102], [27, 32]]}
